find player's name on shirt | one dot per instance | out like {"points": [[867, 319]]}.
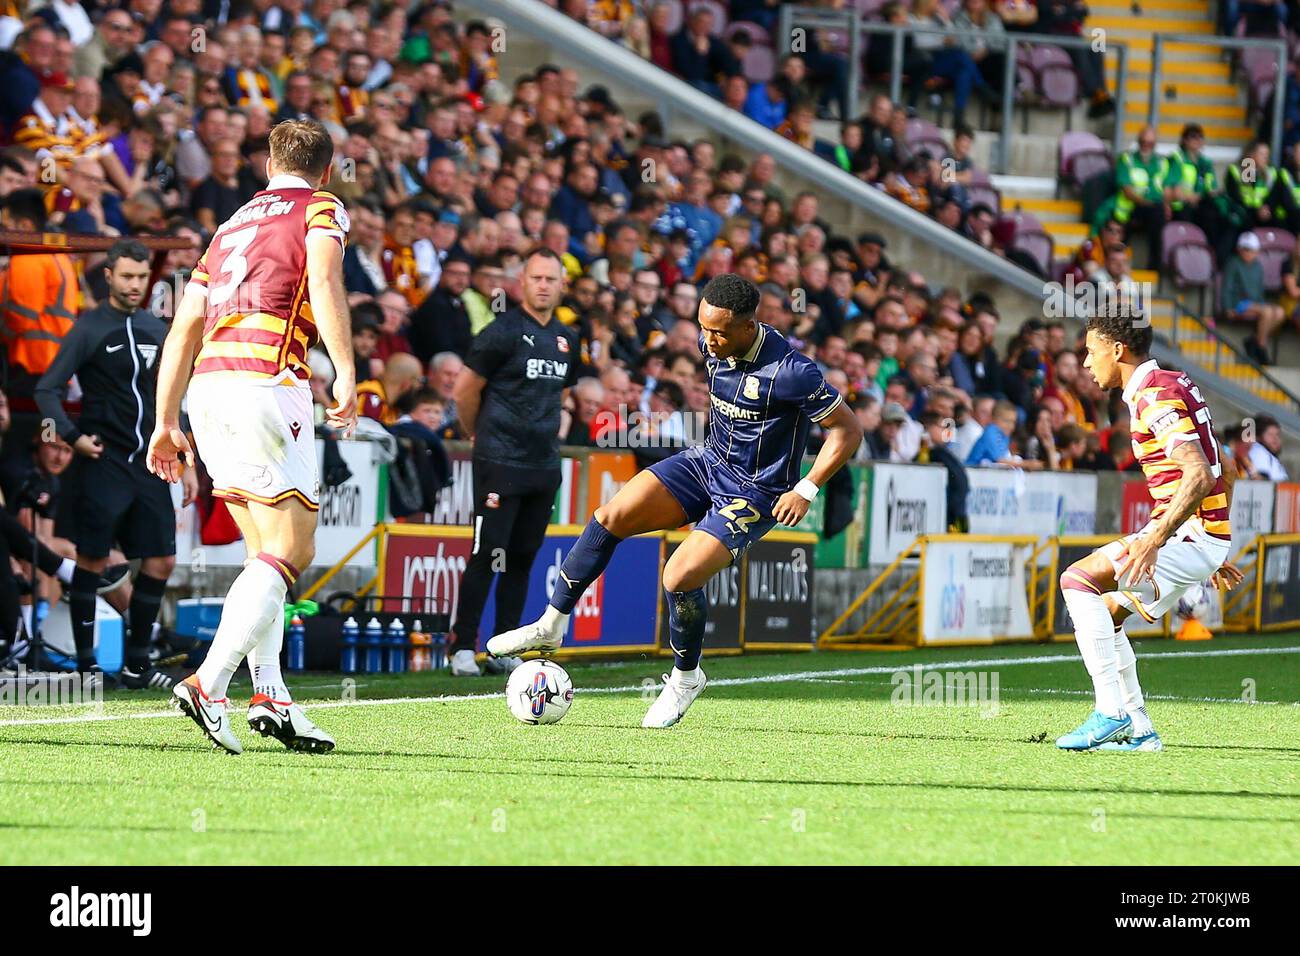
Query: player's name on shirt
{"points": [[257, 209]]}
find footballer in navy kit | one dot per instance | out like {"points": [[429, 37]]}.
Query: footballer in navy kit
{"points": [[763, 398]]}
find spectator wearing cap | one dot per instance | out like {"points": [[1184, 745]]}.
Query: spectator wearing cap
{"points": [[700, 58], [897, 438], [1244, 299]]}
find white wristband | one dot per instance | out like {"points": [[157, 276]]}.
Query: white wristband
{"points": [[806, 489]]}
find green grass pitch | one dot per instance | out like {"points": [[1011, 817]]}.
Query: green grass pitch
{"points": [[791, 758]]}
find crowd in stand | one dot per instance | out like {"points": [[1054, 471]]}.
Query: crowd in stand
{"points": [[450, 175]]}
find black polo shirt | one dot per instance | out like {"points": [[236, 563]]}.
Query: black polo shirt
{"points": [[527, 366]]}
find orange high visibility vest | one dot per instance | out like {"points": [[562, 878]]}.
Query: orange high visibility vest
{"points": [[38, 303]]}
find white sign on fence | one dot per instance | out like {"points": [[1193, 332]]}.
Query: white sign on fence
{"points": [[1252, 511], [1011, 501], [347, 512], [974, 591], [906, 500]]}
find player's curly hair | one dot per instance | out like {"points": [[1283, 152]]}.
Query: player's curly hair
{"points": [[734, 293], [1125, 330]]}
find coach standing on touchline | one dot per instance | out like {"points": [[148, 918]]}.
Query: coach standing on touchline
{"points": [[508, 397], [113, 350]]}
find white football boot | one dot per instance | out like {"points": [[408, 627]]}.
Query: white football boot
{"points": [[463, 664], [209, 714], [674, 700], [544, 634], [288, 724]]}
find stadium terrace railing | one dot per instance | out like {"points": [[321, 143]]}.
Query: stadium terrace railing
{"points": [[1224, 44], [793, 17], [1219, 339], [673, 96]]}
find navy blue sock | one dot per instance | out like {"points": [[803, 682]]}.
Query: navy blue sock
{"points": [[687, 613], [583, 564]]}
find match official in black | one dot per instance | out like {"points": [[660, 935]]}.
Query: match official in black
{"points": [[113, 350], [508, 398]]}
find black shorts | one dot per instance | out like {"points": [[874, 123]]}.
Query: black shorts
{"points": [[123, 504]]}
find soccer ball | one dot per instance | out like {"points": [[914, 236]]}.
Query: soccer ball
{"points": [[539, 692], [1194, 605]]}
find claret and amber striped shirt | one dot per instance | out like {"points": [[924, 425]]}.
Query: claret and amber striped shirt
{"points": [[259, 321], [1166, 409]]}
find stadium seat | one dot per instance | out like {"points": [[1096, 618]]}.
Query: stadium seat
{"points": [[870, 9], [1175, 234], [756, 32], [1192, 264], [676, 15], [1275, 247], [982, 190], [1080, 156], [1038, 246], [919, 129], [759, 64]]}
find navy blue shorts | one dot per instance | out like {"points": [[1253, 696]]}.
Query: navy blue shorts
{"points": [[735, 514]]}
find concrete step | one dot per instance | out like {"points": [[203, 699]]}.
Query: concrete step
{"points": [[1056, 211], [1223, 113]]}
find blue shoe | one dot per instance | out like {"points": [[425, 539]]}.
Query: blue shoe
{"points": [[1147, 743], [1097, 729]]}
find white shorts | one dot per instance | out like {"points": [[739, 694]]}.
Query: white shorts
{"points": [[256, 438], [1186, 559]]}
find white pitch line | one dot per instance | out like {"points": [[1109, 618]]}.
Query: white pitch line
{"points": [[792, 676]]}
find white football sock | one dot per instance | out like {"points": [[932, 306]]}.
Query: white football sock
{"points": [[26, 611], [1126, 664], [252, 603], [689, 678], [264, 663], [1095, 633], [66, 568], [552, 619]]}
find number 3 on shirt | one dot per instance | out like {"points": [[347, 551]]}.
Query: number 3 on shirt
{"points": [[235, 263]]}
